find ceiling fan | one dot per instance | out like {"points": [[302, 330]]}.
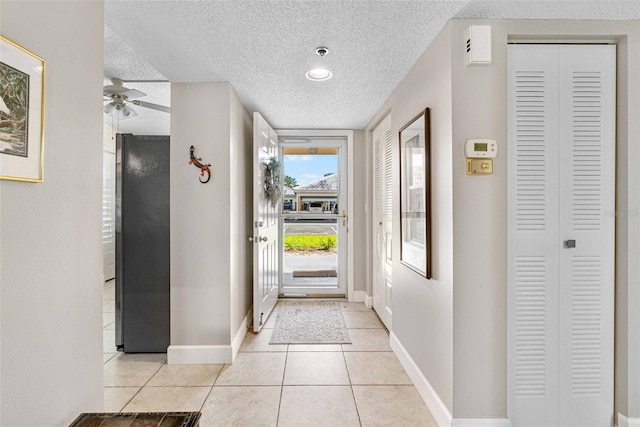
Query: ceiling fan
{"points": [[118, 96]]}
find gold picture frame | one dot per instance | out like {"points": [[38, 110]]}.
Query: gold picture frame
{"points": [[21, 113], [415, 195]]}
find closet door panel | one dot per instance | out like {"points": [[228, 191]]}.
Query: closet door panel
{"points": [[533, 224], [383, 220], [587, 181]]}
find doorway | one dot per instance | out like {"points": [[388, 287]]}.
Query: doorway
{"points": [[313, 218]]}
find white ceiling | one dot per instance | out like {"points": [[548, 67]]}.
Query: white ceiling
{"points": [[264, 48]]}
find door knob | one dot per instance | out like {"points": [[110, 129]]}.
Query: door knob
{"points": [[263, 239], [568, 244]]}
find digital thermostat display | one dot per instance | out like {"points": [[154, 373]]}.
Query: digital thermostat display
{"points": [[478, 148]]}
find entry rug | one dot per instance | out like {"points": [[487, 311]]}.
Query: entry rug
{"points": [[316, 322]]}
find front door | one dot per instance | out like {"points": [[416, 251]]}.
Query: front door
{"points": [[314, 220], [266, 203]]}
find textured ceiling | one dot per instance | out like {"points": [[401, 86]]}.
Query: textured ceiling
{"points": [[264, 48]]}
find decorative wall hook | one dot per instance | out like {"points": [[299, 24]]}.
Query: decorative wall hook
{"points": [[193, 160]]}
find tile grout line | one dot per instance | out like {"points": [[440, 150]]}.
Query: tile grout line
{"points": [[140, 389], [211, 389], [355, 403], [284, 371]]}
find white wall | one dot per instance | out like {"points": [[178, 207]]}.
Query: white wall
{"points": [[51, 251], [479, 235], [211, 259], [454, 327], [200, 218], [422, 308]]}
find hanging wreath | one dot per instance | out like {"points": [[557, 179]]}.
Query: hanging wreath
{"points": [[272, 180]]}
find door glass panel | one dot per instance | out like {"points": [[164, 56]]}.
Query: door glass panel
{"points": [[310, 252], [310, 219]]}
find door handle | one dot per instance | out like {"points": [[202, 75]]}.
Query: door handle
{"points": [[568, 244], [253, 239], [344, 217]]}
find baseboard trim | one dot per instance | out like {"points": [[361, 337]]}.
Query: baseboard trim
{"points": [[624, 421], [240, 334], [437, 407], [480, 422], [361, 296], [368, 301], [199, 354]]}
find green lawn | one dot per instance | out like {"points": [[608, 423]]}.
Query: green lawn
{"points": [[303, 242]]}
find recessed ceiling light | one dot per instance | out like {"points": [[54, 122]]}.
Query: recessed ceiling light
{"points": [[319, 74]]}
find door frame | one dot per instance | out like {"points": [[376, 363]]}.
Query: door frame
{"points": [[340, 144], [348, 134]]}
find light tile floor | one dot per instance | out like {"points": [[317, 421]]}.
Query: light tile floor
{"points": [[358, 384]]}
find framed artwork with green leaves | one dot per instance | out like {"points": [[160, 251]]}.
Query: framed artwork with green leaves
{"points": [[21, 113]]}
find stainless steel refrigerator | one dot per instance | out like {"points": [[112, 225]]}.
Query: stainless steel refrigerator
{"points": [[142, 243]]}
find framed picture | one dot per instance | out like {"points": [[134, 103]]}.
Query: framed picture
{"points": [[21, 113], [415, 205]]}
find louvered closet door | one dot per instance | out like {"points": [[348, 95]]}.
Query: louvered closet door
{"points": [[533, 230], [377, 213], [383, 219], [561, 185], [587, 204]]}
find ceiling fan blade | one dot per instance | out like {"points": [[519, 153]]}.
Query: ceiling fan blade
{"points": [[133, 93], [152, 106]]}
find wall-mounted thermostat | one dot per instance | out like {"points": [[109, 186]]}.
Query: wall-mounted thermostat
{"points": [[480, 148]]}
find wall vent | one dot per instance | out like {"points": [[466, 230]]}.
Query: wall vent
{"points": [[478, 45]]}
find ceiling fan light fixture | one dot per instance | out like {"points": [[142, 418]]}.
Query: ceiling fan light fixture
{"points": [[127, 111], [119, 96], [119, 111], [319, 74]]}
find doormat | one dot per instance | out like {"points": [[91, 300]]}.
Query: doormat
{"points": [[315, 273], [317, 322]]}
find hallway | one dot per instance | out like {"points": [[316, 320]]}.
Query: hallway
{"points": [[358, 384]]}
